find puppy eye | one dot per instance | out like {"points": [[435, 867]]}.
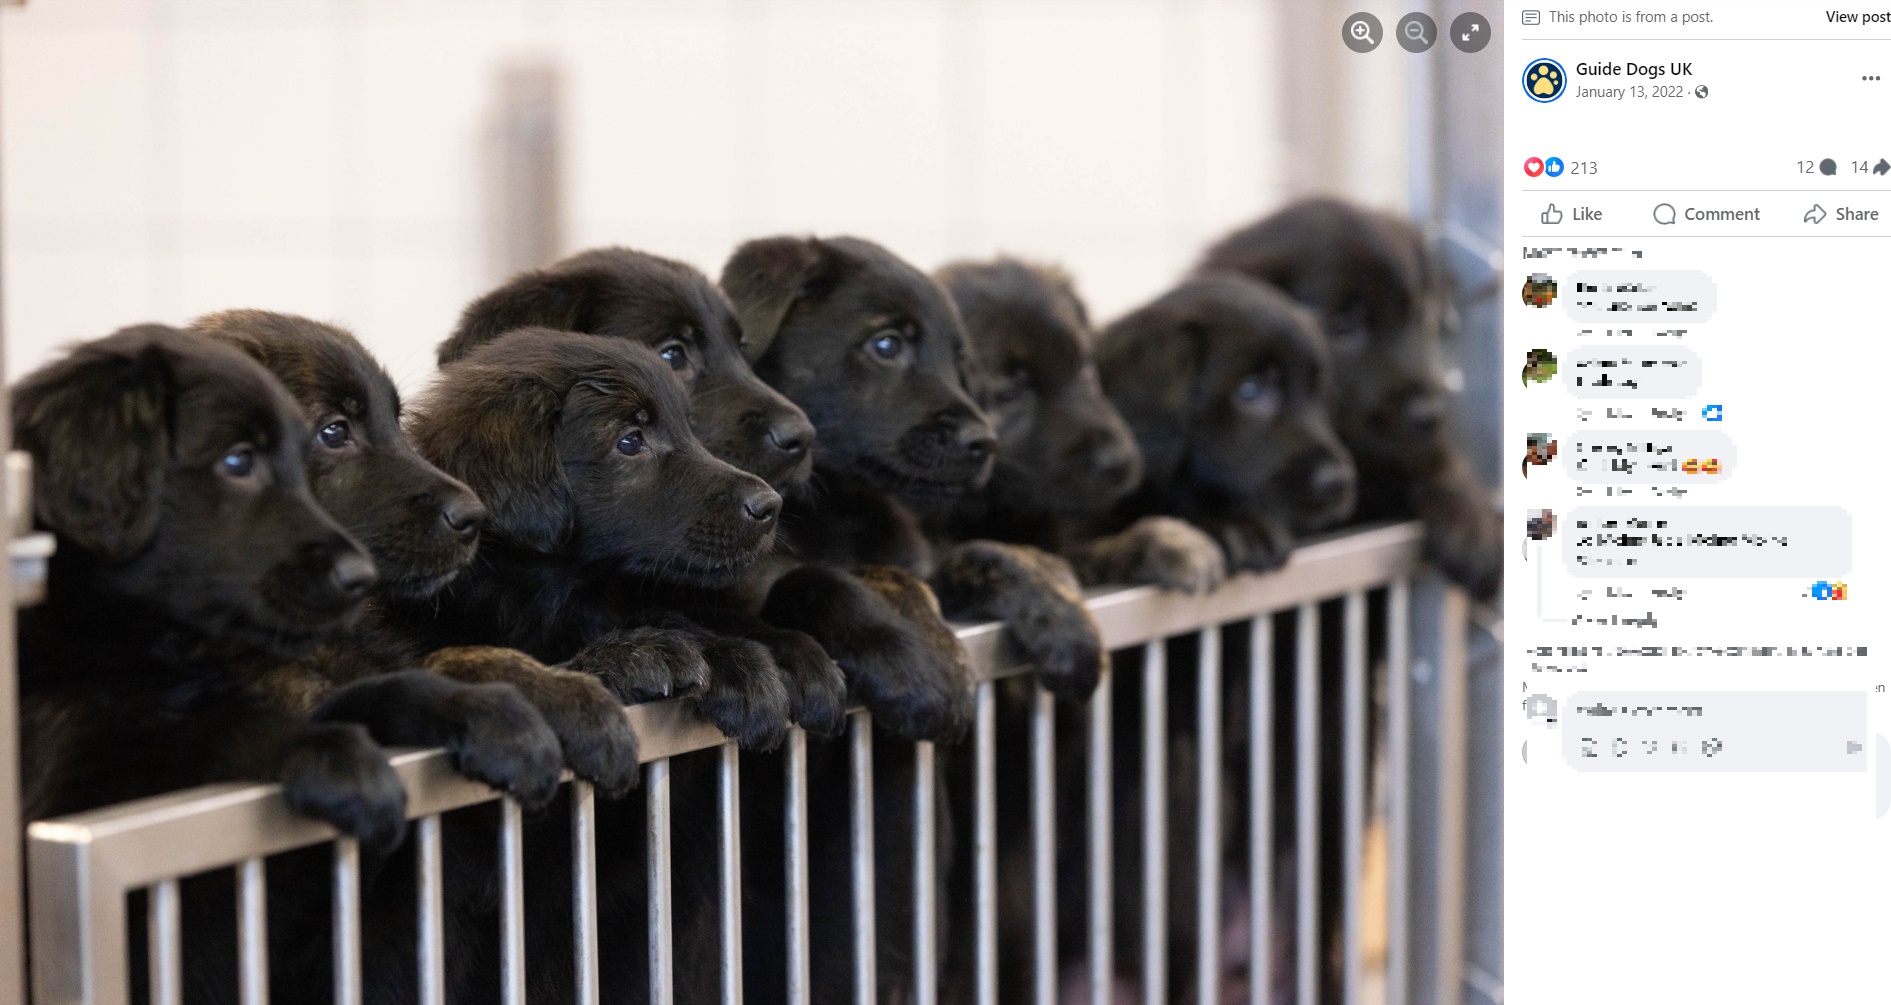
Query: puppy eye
{"points": [[675, 354], [239, 462], [632, 444], [1258, 395], [887, 344], [1016, 382], [335, 435]]}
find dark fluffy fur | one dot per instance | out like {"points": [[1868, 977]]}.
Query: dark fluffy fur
{"points": [[676, 311], [1065, 456], [1223, 380], [1381, 298]]}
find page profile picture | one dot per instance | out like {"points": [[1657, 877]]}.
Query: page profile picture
{"points": [[1543, 80]]}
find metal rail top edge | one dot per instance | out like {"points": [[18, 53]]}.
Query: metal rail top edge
{"points": [[212, 826]]}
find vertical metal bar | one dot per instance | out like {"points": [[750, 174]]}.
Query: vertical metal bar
{"points": [[584, 890], [1453, 782], [1155, 822], [1260, 808], [1307, 802], [729, 878], [796, 824], [431, 944], [347, 911], [1208, 821], [79, 949], [512, 903], [1353, 788], [656, 782], [860, 782], [925, 879], [1043, 847], [167, 944], [1399, 822], [985, 844], [1101, 856], [252, 930]]}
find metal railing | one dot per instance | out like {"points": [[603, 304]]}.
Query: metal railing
{"points": [[82, 868]]}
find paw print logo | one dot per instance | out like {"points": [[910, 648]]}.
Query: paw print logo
{"points": [[1543, 80]]}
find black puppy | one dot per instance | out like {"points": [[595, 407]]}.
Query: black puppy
{"points": [[422, 527], [1380, 296], [1223, 380], [1065, 456], [874, 352], [170, 470], [675, 310]]}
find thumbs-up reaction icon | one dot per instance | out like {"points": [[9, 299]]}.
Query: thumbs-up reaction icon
{"points": [[1552, 214]]}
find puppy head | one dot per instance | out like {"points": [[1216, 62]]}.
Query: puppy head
{"points": [[1380, 298], [171, 467], [1062, 447], [581, 448], [421, 524], [672, 308], [1223, 380], [872, 350]]}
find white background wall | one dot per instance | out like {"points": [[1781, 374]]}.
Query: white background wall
{"points": [[163, 158]]}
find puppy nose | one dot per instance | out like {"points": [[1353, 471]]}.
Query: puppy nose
{"points": [[763, 506], [976, 438], [463, 515], [352, 575], [1330, 483], [1423, 415], [791, 435]]}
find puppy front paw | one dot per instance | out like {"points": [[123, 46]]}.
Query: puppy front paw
{"points": [[645, 664], [1466, 544], [1037, 597], [1254, 543], [817, 688], [598, 743], [882, 627], [500, 739], [1160, 551], [337, 774], [747, 696]]}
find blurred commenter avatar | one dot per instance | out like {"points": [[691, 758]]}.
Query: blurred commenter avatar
{"points": [[1539, 290], [1539, 365], [1540, 525], [1538, 450]]}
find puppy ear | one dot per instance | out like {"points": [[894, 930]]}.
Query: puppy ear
{"points": [[98, 426], [564, 301], [1148, 362], [763, 279], [496, 432]]}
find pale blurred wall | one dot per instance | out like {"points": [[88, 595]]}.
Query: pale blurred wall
{"points": [[163, 158]]}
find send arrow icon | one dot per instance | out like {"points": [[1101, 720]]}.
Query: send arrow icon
{"points": [[1816, 214]]}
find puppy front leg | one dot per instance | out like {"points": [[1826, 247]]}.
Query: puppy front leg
{"points": [[732, 681], [1159, 550], [1252, 542], [598, 743], [1463, 531], [817, 689], [491, 733], [882, 627], [336, 773], [1037, 596]]}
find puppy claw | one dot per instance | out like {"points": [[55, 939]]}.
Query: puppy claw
{"points": [[644, 664], [337, 774]]}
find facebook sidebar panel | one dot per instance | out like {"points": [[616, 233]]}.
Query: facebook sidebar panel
{"points": [[1698, 270]]}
